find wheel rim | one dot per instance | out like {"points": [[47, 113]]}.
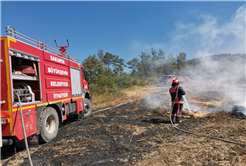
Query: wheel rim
{"points": [[87, 108], [50, 124]]}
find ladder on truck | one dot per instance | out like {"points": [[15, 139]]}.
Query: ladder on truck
{"points": [[11, 32]]}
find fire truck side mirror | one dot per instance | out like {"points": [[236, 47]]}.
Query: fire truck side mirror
{"points": [[92, 76]]}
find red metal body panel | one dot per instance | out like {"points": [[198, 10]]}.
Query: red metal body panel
{"points": [[6, 127], [56, 68], [167, 79], [5, 73], [6, 130], [21, 46], [6, 95], [182, 78], [75, 65], [58, 95], [55, 59], [79, 103], [54, 83], [29, 117]]}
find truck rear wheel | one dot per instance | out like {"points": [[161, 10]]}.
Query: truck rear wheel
{"points": [[87, 107], [49, 124]]}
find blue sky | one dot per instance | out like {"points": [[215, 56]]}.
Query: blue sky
{"points": [[129, 28]]}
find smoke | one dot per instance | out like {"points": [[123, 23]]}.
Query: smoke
{"points": [[223, 73], [216, 83]]}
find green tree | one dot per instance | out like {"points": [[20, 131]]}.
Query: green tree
{"points": [[144, 64], [92, 63], [132, 64], [118, 64], [181, 61], [171, 64], [154, 61], [162, 59], [100, 55], [108, 59]]}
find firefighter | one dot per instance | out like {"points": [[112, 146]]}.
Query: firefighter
{"points": [[176, 93]]}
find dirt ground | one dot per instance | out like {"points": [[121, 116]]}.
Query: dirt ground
{"points": [[135, 130]]}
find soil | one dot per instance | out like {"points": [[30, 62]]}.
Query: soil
{"points": [[137, 131]]}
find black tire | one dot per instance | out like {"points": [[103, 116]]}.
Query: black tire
{"points": [[87, 107], [79, 116], [49, 124]]}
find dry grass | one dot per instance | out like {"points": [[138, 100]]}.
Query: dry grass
{"points": [[195, 151], [102, 101], [122, 97], [198, 151], [19, 158]]}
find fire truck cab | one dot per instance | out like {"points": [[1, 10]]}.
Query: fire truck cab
{"points": [[48, 86], [167, 79]]}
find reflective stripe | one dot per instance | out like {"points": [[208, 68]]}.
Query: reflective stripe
{"points": [[4, 114], [42, 104], [80, 97], [178, 111], [173, 90], [177, 96], [23, 108], [178, 102]]}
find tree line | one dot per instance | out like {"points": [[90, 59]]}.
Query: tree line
{"points": [[109, 75]]}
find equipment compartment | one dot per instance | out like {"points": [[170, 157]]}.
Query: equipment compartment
{"points": [[25, 77]]}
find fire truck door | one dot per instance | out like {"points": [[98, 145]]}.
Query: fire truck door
{"points": [[84, 80]]}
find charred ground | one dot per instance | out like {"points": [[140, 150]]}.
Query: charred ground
{"points": [[140, 133]]}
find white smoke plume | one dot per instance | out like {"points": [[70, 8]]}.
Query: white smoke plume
{"points": [[222, 73], [214, 80]]}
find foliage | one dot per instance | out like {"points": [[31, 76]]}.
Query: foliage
{"points": [[133, 64]]}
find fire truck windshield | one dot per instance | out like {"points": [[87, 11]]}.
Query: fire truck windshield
{"points": [[167, 77], [84, 74]]}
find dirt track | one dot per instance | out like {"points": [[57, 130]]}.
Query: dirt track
{"points": [[138, 133]]}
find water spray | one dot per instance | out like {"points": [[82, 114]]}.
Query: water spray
{"points": [[188, 106]]}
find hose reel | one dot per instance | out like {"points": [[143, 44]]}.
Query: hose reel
{"points": [[24, 91]]}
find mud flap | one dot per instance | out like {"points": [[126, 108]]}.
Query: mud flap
{"points": [[31, 140]]}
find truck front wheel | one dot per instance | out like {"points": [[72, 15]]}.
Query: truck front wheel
{"points": [[87, 107], [49, 124]]}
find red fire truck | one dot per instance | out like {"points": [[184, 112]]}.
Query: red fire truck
{"points": [[168, 79], [46, 84]]}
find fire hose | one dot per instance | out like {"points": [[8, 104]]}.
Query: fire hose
{"points": [[203, 135], [24, 131]]}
